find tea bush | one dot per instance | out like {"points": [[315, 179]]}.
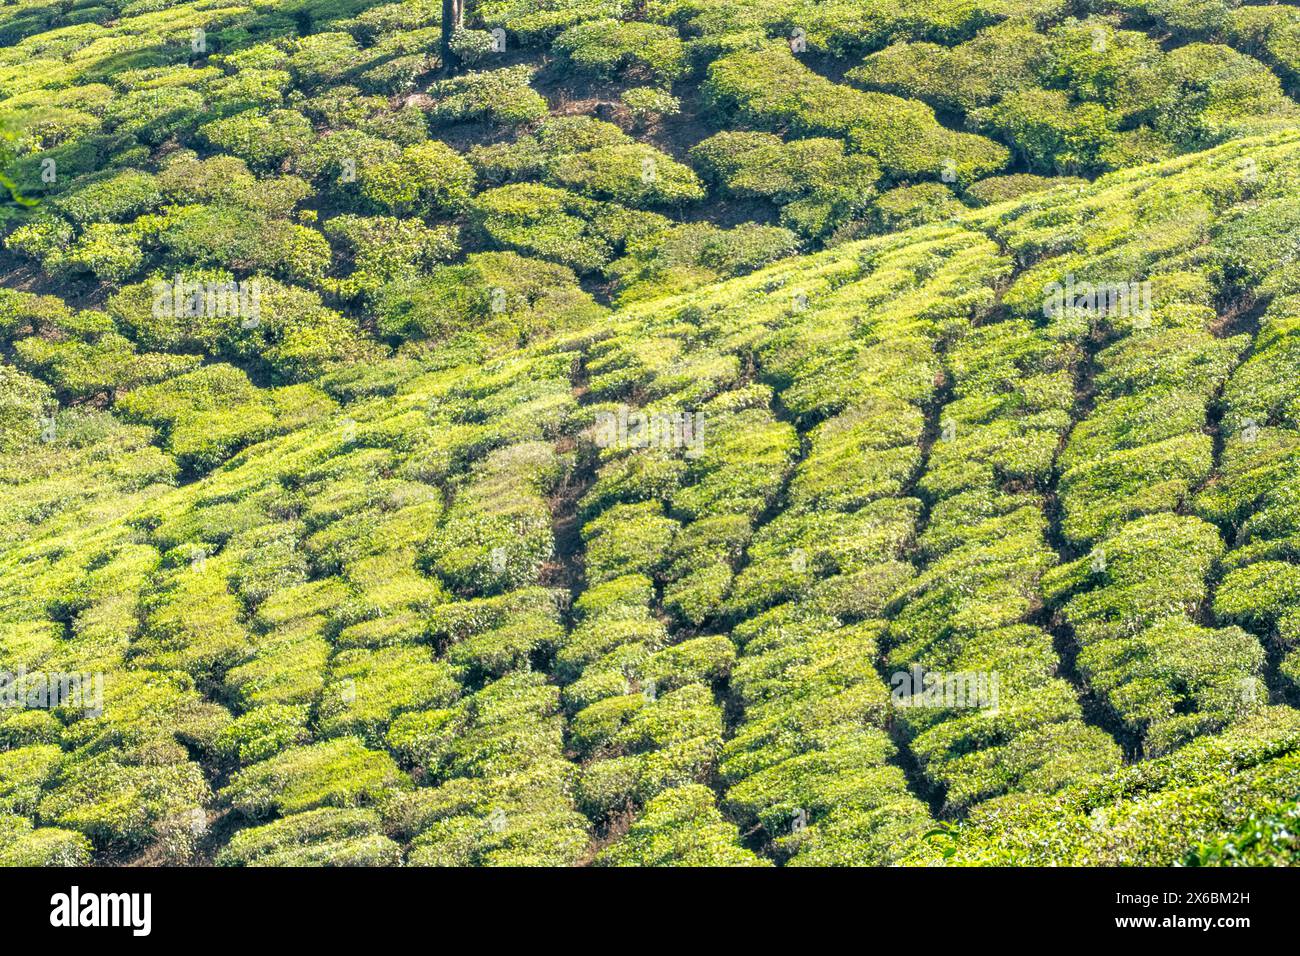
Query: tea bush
{"points": [[325, 837], [334, 773]]}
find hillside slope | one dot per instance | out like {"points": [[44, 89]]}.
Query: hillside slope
{"points": [[454, 606]]}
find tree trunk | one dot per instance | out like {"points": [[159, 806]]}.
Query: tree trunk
{"points": [[453, 19]]}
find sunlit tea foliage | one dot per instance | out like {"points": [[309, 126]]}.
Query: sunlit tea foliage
{"points": [[727, 433]]}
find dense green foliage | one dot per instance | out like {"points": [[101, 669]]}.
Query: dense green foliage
{"points": [[558, 458]]}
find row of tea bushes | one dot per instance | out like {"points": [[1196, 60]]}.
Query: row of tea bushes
{"points": [[666, 498], [771, 89], [1268, 32], [972, 609], [667, 527], [119, 766], [1147, 575], [25, 845], [424, 638], [1084, 96], [496, 787], [793, 588], [837, 29], [1252, 493], [1158, 812], [296, 750], [680, 827], [1135, 596], [591, 157], [815, 182], [1142, 449], [812, 760], [320, 545]]}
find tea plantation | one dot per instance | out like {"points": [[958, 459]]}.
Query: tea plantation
{"points": [[555, 446]]}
